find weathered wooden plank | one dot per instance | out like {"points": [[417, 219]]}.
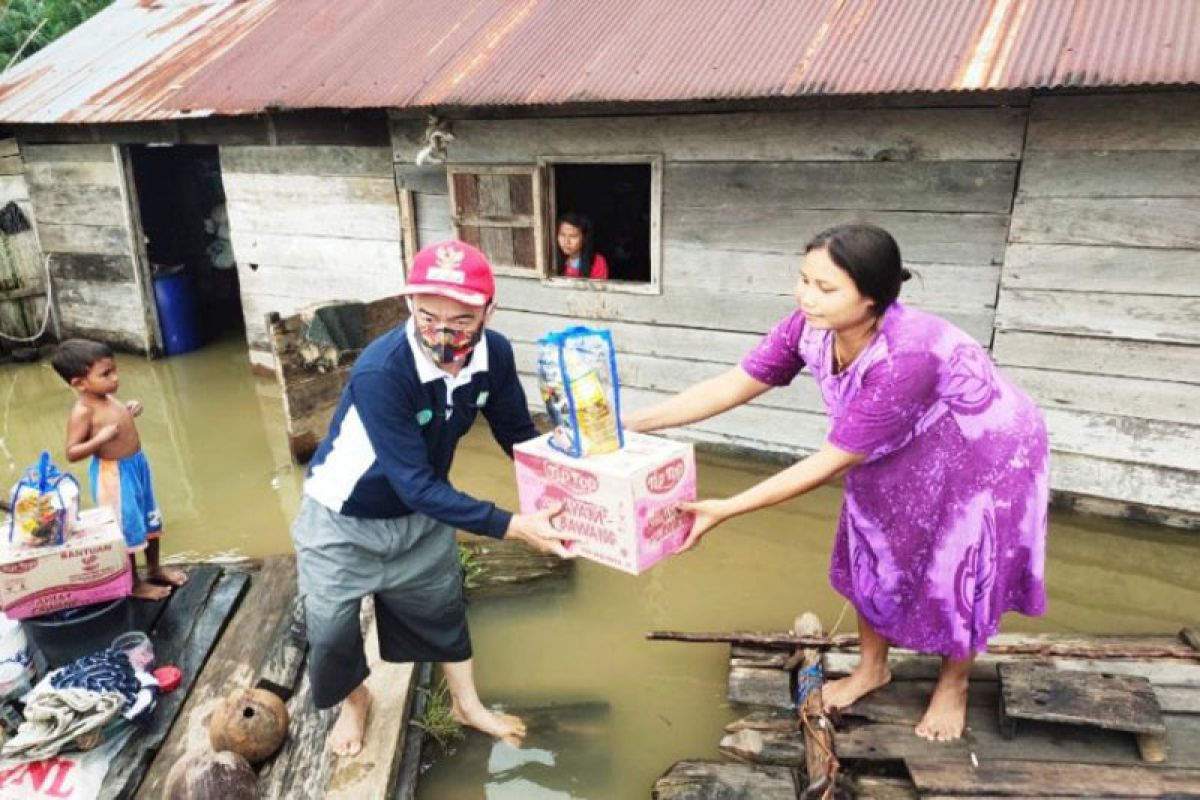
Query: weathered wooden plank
{"points": [[1110, 174], [1118, 316], [965, 287], [91, 267], [301, 768], [183, 636], [785, 186], [759, 687], [435, 220], [316, 251], [12, 166], [9, 147], [1139, 484], [343, 280], [1112, 702], [1081, 354], [424, 179], [927, 237], [284, 657], [82, 173], [309, 190], [372, 771], [325, 160], [1165, 400], [703, 780], [1170, 222], [1122, 438], [907, 666], [414, 736], [80, 204], [507, 567], [112, 240], [1122, 270], [873, 787], [359, 128], [1025, 779], [1151, 121], [232, 664], [978, 134], [316, 218], [697, 307], [13, 187], [1178, 699], [35, 153]]}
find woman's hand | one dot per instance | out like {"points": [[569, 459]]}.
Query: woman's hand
{"points": [[706, 515]]}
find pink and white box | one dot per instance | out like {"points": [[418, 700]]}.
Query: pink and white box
{"points": [[621, 505], [91, 567]]}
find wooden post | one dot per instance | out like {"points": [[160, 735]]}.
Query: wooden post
{"points": [[820, 762]]}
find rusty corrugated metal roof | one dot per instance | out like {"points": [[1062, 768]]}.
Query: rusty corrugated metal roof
{"points": [[161, 59]]}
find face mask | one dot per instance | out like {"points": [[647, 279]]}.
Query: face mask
{"points": [[447, 346]]}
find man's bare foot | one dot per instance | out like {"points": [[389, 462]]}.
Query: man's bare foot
{"points": [[505, 727], [171, 577], [346, 738], [946, 715], [148, 591], [847, 691]]}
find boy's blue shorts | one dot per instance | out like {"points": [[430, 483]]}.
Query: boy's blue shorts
{"points": [[125, 486]]}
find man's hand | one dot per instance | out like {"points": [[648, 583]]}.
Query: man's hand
{"points": [[537, 530], [135, 407]]}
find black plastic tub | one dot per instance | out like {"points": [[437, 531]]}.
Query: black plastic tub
{"points": [[64, 636]]}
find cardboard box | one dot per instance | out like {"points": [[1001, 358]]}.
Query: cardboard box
{"points": [[93, 566], [621, 505]]}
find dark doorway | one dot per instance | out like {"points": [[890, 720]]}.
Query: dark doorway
{"points": [[616, 197], [181, 201]]}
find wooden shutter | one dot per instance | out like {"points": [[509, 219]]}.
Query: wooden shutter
{"points": [[498, 210]]}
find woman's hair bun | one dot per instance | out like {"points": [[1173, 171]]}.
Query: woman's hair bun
{"points": [[904, 274]]}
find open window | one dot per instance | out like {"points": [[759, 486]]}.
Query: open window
{"points": [[511, 214]]}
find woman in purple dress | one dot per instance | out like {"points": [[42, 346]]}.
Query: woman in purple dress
{"points": [[943, 525]]}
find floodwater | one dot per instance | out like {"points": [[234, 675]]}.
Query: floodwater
{"points": [[624, 709]]}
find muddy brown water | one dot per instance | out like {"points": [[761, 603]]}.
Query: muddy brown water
{"points": [[621, 709]]}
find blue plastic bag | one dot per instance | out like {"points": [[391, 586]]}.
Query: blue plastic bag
{"points": [[577, 375], [45, 503]]}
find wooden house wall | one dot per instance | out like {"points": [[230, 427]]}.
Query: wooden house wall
{"points": [[310, 223], [82, 213], [22, 271], [1099, 312], [741, 194]]}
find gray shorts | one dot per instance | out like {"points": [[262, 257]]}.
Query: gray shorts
{"points": [[410, 565]]}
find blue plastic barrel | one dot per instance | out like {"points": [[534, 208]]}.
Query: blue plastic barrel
{"points": [[178, 317]]}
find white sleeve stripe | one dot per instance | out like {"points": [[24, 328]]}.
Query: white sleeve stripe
{"points": [[350, 456]]}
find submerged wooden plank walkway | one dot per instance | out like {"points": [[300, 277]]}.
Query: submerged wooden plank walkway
{"points": [[1043, 759], [242, 626]]}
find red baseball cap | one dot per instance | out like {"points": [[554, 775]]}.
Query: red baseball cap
{"points": [[452, 269]]}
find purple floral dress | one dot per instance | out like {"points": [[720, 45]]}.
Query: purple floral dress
{"points": [[943, 527]]}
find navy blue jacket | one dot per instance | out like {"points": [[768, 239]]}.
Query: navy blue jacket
{"points": [[392, 439]]}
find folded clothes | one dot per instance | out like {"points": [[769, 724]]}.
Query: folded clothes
{"points": [[110, 671], [56, 717]]}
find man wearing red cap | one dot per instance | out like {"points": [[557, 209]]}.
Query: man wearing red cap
{"points": [[379, 513]]}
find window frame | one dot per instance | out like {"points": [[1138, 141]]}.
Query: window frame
{"points": [[545, 166], [538, 216]]}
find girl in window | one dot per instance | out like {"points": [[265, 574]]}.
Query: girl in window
{"points": [[576, 255]]}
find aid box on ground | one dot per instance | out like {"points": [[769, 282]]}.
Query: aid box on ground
{"points": [[91, 567], [621, 505]]}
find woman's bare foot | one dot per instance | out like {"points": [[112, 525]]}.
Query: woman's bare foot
{"points": [[946, 715], [148, 591], [346, 738], [505, 727], [847, 691], [171, 577]]}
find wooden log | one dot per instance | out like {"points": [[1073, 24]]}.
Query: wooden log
{"points": [[414, 736], [1113, 702], [759, 687], [875, 787], [820, 762], [510, 567], [233, 663], [184, 636], [1099, 647], [703, 780], [1033, 779], [1191, 635]]}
